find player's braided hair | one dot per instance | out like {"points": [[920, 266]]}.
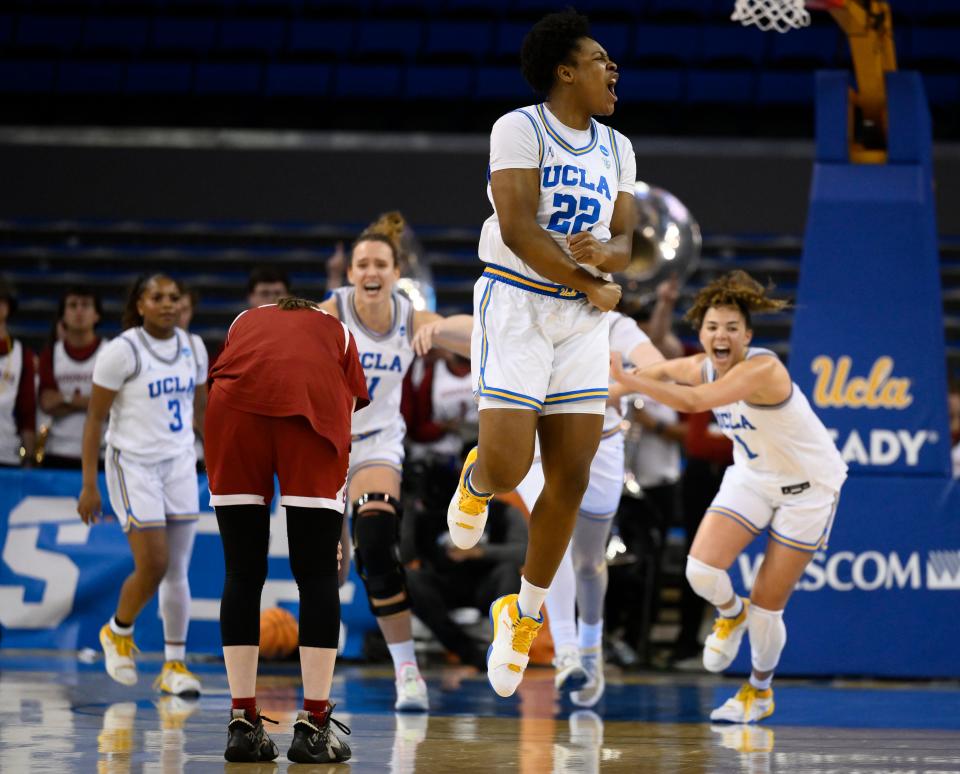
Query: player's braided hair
{"points": [[552, 41], [290, 304], [736, 288], [388, 228], [131, 318]]}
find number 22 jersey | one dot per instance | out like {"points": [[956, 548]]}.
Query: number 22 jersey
{"points": [[581, 174]]}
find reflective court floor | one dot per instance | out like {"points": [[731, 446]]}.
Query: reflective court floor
{"points": [[59, 715]]}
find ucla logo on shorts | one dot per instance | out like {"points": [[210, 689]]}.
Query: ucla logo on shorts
{"points": [[604, 151], [568, 292]]}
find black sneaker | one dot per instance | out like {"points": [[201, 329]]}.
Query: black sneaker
{"points": [[247, 742], [314, 743]]}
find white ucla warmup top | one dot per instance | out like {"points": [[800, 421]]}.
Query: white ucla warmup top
{"points": [[378, 429], [540, 345], [786, 474]]}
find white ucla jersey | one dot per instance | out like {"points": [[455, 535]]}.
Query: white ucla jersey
{"points": [[581, 174], [151, 418], [625, 336], [11, 369], [779, 446], [385, 359]]}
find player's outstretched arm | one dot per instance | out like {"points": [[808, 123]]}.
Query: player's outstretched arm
{"points": [[451, 333]]}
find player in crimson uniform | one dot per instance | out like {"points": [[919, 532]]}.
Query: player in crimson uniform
{"points": [[286, 386]]}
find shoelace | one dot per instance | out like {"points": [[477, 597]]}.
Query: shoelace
{"points": [[177, 667], [125, 646], [722, 627], [471, 504], [524, 631]]}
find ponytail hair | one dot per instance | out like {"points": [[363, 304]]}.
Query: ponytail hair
{"points": [[388, 228]]}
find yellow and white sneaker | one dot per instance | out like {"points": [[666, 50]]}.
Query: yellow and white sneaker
{"points": [[177, 680], [118, 653], [509, 653], [723, 643], [467, 512], [570, 674], [748, 706]]}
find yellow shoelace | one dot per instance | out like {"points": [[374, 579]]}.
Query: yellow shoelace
{"points": [[125, 645], [524, 631], [471, 504], [177, 666], [722, 627]]}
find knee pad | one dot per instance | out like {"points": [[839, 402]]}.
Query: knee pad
{"points": [[711, 583], [768, 636], [375, 537], [378, 497]]}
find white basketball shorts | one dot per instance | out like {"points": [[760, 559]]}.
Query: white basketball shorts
{"points": [[382, 447], [798, 515], [147, 495], [537, 346]]}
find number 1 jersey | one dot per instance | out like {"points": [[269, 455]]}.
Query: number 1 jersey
{"points": [[581, 174]]}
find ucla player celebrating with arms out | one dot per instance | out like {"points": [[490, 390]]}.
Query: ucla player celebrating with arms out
{"points": [[561, 185], [785, 479], [149, 379], [383, 323]]}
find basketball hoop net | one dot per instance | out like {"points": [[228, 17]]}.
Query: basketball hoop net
{"points": [[778, 15]]}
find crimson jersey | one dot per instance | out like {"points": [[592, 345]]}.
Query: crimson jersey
{"points": [[293, 363]]}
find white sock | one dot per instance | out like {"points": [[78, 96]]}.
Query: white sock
{"points": [[531, 599], [733, 612], [561, 604], [590, 635], [760, 685], [174, 652], [402, 654], [123, 631]]}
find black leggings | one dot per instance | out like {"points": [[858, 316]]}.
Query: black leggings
{"points": [[313, 534]]}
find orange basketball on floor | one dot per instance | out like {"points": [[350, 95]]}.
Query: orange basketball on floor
{"points": [[279, 633]]}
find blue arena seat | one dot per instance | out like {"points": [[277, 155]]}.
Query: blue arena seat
{"points": [[459, 39], [507, 40], [429, 82], [817, 46], [943, 89], [81, 77], [733, 44], [666, 43], [785, 88], [650, 85], [721, 86], [261, 36], [27, 76], [298, 79], [355, 81], [60, 34], [389, 38], [615, 38], [333, 37], [604, 9], [108, 33], [694, 9], [504, 83], [159, 78], [487, 9], [196, 36], [228, 78], [935, 46], [6, 30]]}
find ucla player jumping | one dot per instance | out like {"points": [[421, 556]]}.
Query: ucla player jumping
{"points": [[561, 185], [152, 381], [785, 479], [383, 323]]}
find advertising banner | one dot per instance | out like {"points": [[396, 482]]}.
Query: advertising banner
{"points": [[59, 578]]}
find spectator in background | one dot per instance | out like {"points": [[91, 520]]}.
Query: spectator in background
{"points": [[66, 376], [445, 577], [18, 397], [954, 398], [266, 285], [189, 301]]}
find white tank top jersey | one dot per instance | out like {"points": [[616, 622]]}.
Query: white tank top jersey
{"points": [[11, 367], [385, 359], [152, 414], [625, 336], [66, 432], [581, 174], [781, 445]]}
